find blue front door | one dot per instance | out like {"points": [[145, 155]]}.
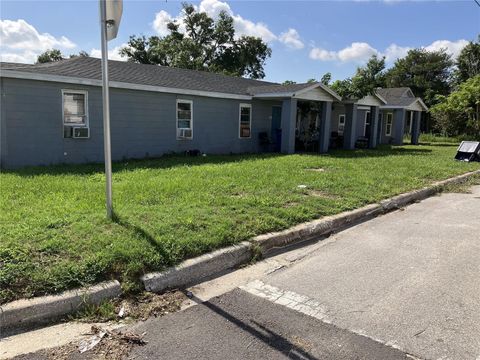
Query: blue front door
{"points": [[276, 133]]}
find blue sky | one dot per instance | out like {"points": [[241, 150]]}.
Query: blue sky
{"points": [[308, 38]]}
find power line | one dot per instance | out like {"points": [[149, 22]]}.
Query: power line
{"points": [[478, 3]]}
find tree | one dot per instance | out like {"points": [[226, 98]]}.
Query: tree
{"points": [[289, 82], [366, 79], [50, 56], [459, 113], [468, 62], [56, 55], [82, 53], [369, 77], [343, 87], [311, 81], [326, 78], [427, 73], [207, 44]]}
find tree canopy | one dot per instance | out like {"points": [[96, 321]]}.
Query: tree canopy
{"points": [[468, 62], [50, 55], [427, 73], [366, 79], [53, 55], [206, 44], [459, 112]]}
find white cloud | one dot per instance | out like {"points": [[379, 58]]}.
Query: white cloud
{"points": [[21, 35], [322, 54], [213, 8], [452, 47], [162, 18], [357, 52], [21, 42], [360, 52], [291, 38], [394, 52], [113, 54]]}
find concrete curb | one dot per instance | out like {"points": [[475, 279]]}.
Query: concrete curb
{"points": [[198, 268], [195, 270], [28, 313]]}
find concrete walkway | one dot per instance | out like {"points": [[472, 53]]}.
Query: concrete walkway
{"points": [[401, 286]]}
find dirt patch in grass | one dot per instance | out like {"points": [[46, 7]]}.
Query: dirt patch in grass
{"points": [[320, 194], [139, 307]]}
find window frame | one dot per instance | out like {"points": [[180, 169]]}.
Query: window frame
{"points": [[387, 125], [344, 116], [249, 106], [184, 101], [86, 124]]}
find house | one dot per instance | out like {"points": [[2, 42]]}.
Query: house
{"points": [[382, 118], [52, 113], [400, 116], [355, 122]]}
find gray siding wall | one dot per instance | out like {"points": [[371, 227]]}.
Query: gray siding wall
{"points": [[339, 109], [142, 124]]}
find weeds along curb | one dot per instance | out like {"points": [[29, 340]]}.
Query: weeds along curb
{"points": [[195, 270], [28, 313]]}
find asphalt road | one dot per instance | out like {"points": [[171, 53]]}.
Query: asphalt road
{"points": [[403, 285]]}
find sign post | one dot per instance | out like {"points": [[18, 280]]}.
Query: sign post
{"points": [[110, 15]]}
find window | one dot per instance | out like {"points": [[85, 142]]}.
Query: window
{"points": [[367, 123], [75, 112], [388, 124], [184, 119], [245, 121], [341, 124]]}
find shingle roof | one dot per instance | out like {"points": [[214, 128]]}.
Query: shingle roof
{"points": [[278, 88], [154, 75], [395, 92], [10, 65], [399, 96]]}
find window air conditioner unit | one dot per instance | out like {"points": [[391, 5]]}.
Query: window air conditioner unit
{"points": [[184, 133], [81, 132]]}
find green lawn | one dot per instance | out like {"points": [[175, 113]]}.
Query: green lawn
{"points": [[54, 234]]}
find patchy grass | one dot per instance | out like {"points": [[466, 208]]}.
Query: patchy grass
{"points": [[464, 187], [54, 235]]}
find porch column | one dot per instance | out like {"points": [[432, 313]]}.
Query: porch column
{"points": [[289, 115], [372, 139], [325, 125], [398, 126], [349, 132], [417, 115]]}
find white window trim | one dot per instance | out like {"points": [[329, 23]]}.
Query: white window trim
{"points": [[242, 105], [184, 101], [365, 123], [388, 133], [68, 91], [339, 122]]}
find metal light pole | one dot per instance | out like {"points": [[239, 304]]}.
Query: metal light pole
{"points": [[110, 15]]}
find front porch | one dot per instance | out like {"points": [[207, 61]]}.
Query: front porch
{"points": [[305, 115]]}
